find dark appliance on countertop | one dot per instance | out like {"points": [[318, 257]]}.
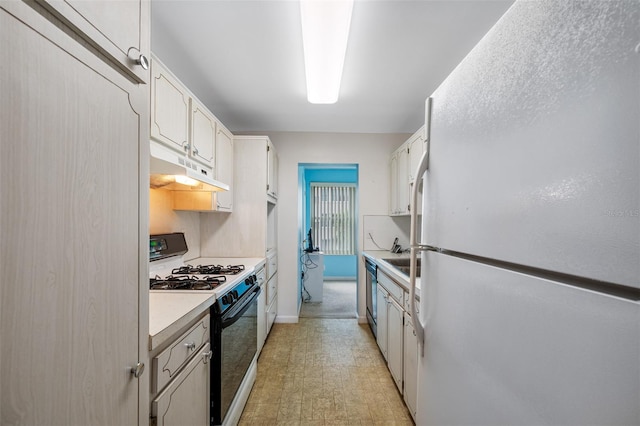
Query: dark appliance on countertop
{"points": [[234, 316]]}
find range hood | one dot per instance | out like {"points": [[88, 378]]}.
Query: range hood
{"points": [[174, 171]]}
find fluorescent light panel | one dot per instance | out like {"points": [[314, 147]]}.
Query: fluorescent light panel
{"points": [[325, 32]]}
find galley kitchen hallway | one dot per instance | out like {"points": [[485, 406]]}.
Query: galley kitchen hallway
{"points": [[323, 371]]}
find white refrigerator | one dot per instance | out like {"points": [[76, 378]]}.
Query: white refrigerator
{"points": [[530, 236]]}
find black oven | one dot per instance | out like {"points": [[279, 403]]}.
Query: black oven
{"points": [[234, 336], [371, 291]]}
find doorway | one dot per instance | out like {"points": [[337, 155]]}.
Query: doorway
{"points": [[328, 223]]}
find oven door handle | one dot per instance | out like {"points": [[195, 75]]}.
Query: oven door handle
{"points": [[234, 315]]}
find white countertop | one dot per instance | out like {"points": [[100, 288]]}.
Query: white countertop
{"points": [[172, 310], [377, 257]]}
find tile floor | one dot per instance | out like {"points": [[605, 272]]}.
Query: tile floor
{"points": [[323, 371]]}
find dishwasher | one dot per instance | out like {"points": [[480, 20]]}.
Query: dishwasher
{"points": [[371, 290]]}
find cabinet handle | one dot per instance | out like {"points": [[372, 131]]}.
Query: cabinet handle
{"points": [[143, 62], [137, 369], [191, 345], [207, 356], [195, 151]]}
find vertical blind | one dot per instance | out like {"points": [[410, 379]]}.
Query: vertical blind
{"points": [[333, 213]]}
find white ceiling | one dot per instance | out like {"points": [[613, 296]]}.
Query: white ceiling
{"points": [[244, 60]]}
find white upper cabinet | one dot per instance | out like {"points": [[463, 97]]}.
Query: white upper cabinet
{"points": [[170, 108], [393, 192], [403, 165], [272, 172], [203, 134], [415, 146], [180, 121], [116, 32], [178, 118], [403, 180], [224, 167], [399, 192]]}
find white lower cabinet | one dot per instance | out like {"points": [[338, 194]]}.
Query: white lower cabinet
{"points": [[261, 276], [395, 324], [381, 323], [185, 401], [272, 299], [272, 311], [410, 366], [397, 339], [181, 378]]}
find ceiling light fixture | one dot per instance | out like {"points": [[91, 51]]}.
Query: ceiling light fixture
{"points": [[325, 32]]}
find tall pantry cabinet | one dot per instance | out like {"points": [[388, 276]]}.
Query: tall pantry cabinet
{"points": [[74, 193], [251, 230]]}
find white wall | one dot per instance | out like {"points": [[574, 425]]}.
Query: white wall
{"points": [[370, 151]]}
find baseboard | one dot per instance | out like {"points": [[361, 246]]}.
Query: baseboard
{"points": [[287, 319], [339, 279]]}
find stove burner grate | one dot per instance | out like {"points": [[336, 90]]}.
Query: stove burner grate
{"points": [[209, 269], [186, 282]]}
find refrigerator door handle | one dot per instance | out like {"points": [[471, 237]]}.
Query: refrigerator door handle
{"points": [[416, 247]]}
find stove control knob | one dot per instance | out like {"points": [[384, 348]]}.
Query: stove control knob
{"points": [[225, 300], [235, 294]]}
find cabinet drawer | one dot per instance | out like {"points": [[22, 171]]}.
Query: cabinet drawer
{"points": [[272, 288], [261, 276], [272, 264], [186, 400], [167, 364], [391, 286]]}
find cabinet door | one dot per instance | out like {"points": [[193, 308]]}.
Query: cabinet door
{"points": [[395, 331], [415, 148], [402, 181], [410, 365], [119, 32], [381, 322], [203, 134], [393, 188], [186, 400], [272, 171], [71, 321], [169, 109], [272, 310], [224, 168]]}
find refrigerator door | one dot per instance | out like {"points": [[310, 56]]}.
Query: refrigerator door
{"points": [[503, 348], [535, 153]]}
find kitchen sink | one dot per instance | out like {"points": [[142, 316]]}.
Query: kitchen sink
{"points": [[402, 265]]}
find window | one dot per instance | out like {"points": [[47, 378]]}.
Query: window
{"points": [[333, 211]]}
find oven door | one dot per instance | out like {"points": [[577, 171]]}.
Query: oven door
{"points": [[235, 347]]}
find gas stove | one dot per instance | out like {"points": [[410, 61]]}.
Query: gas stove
{"points": [[175, 275], [168, 271]]}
